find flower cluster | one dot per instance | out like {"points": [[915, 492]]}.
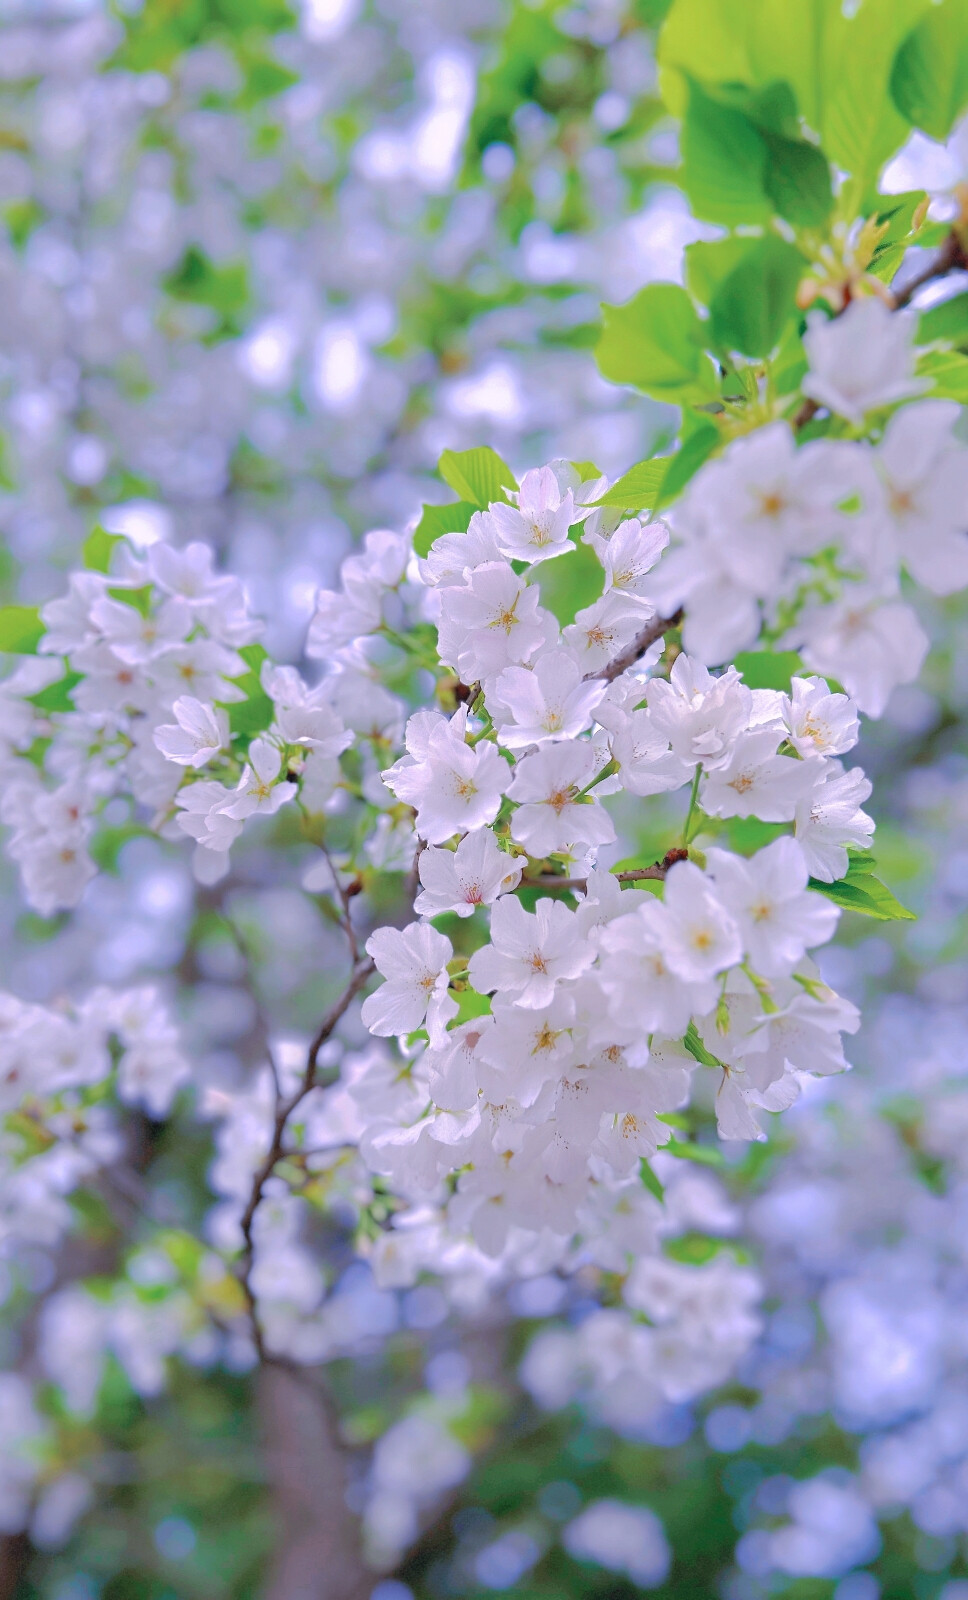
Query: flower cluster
{"points": [[57, 1128], [810, 541], [546, 1058]]}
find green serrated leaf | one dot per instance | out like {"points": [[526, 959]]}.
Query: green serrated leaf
{"points": [[478, 476], [21, 629], [860, 126], [97, 549], [797, 180], [723, 162], [709, 261], [947, 321], [107, 843], [705, 1155], [751, 305], [638, 489], [929, 78], [769, 669], [650, 1181], [57, 696], [253, 714], [692, 1249], [656, 342], [948, 372], [571, 582], [438, 520], [861, 891], [697, 1049], [697, 446]]}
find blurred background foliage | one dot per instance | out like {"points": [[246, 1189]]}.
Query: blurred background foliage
{"points": [[261, 263]]}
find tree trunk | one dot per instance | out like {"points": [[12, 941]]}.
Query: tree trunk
{"points": [[318, 1555], [14, 1558]]}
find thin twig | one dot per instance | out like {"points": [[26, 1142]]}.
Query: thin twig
{"points": [[657, 871], [630, 655], [949, 258], [346, 920], [284, 1110]]}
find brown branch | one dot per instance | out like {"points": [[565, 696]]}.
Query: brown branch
{"points": [[284, 1110], [657, 871], [630, 655], [949, 258]]}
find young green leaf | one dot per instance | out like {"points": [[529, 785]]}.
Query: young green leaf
{"points": [[769, 669], [478, 476], [253, 714], [438, 520], [705, 1155], [752, 304], [797, 179], [698, 444], [639, 488], [650, 1181], [655, 341], [97, 549], [948, 321], [21, 629], [723, 162], [948, 371], [929, 79], [861, 891]]}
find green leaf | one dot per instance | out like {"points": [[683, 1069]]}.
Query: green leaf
{"points": [[478, 476], [861, 891], [697, 446], [438, 520], [705, 1155], [253, 714], [697, 1049], [638, 489], [929, 79], [723, 162], [797, 179], [795, 175], [223, 289], [746, 835], [106, 845], [264, 78], [860, 127], [21, 629], [898, 213], [708, 262], [160, 31], [693, 1249], [570, 582], [752, 304], [949, 321], [655, 342], [97, 549], [471, 1004], [769, 669], [948, 371], [650, 1181], [705, 39]]}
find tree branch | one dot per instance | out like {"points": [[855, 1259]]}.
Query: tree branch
{"points": [[284, 1110], [949, 258], [657, 871], [627, 658]]}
